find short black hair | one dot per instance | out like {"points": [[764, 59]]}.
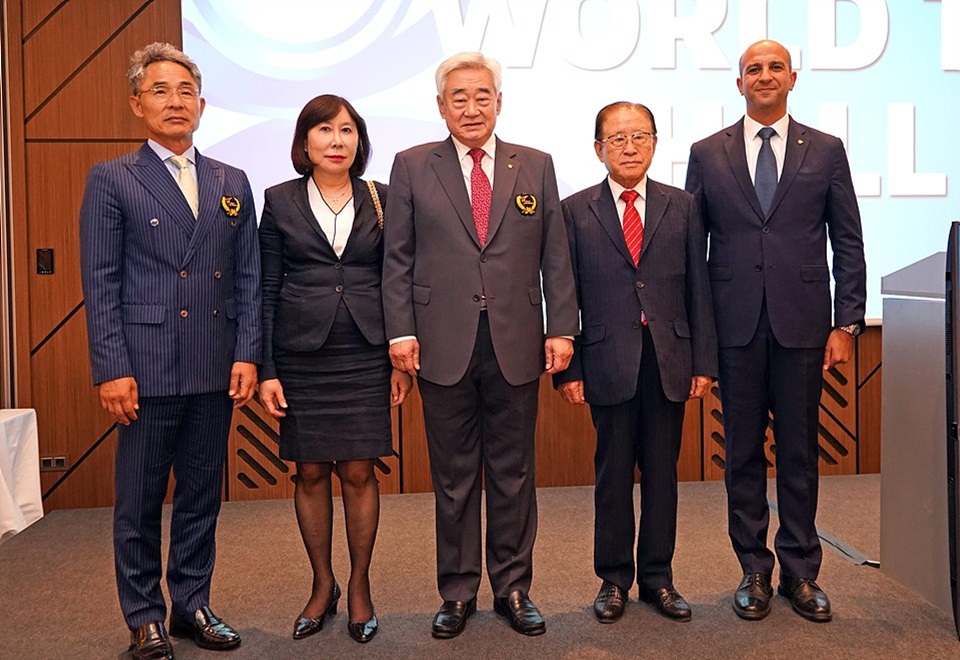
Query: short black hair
{"points": [[607, 109]]}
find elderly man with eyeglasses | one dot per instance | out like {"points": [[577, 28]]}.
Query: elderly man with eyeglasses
{"points": [[647, 344], [170, 265]]}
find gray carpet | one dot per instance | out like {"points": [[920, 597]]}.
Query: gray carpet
{"points": [[57, 592]]}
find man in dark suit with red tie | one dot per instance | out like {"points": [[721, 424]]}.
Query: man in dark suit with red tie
{"points": [[771, 191], [171, 278], [647, 345], [473, 228]]}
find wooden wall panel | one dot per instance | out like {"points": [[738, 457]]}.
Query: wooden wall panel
{"points": [[65, 42], [73, 113], [869, 385], [70, 420], [37, 11], [416, 458], [839, 396], [68, 101], [54, 207], [90, 484], [690, 464], [565, 440]]}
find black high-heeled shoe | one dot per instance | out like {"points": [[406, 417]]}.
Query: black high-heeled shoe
{"points": [[363, 631], [306, 626]]}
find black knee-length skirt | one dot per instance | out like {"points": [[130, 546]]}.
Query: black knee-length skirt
{"points": [[338, 398]]}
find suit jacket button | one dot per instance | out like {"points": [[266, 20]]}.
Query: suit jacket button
{"points": [[766, 230], [216, 312], [339, 289], [483, 258], [758, 268], [636, 325], [184, 313], [154, 222], [183, 274], [476, 298], [233, 223], [640, 285], [338, 266], [217, 274]]}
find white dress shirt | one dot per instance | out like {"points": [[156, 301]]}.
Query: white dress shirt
{"points": [[336, 226]]}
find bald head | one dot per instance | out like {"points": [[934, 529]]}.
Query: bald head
{"points": [[766, 45], [766, 78]]}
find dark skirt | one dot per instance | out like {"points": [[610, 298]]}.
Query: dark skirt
{"points": [[338, 398]]}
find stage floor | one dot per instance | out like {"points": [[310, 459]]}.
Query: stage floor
{"points": [[58, 600]]}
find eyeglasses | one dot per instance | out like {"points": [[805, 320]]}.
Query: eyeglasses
{"points": [[162, 94], [619, 141]]}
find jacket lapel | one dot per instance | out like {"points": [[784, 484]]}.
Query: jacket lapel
{"points": [[360, 200], [605, 210], [210, 183], [448, 171], [795, 150], [737, 157], [156, 179], [656, 203], [301, 200], [505, 172]]}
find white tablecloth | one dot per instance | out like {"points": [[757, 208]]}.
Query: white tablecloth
{"points": [[20, 503]]}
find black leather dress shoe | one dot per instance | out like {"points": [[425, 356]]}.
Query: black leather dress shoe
{"points": [[305, 626], [752, 600], [206, 630], [451, 619], [668, 602], [807, 598], [609, 603], [363, 631], [150, 642], [523, 615]]}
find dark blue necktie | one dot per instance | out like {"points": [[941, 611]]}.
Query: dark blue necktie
{"points": [[765, 178]]}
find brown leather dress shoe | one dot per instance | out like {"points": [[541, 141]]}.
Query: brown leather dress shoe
{"points": [[752, 600], [451, 619], [807, 598], [668, 602], [610, 602], [206, 630], [523, 615], [150, 642]]}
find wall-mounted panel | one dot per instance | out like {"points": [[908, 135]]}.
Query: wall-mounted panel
{"points": [[64, 43], [93, 104]]}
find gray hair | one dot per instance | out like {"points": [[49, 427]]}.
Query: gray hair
{"points": [[158, 52], [474, 60]]}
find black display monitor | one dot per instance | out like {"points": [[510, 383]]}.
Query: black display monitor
{"points": [[952, 321]]}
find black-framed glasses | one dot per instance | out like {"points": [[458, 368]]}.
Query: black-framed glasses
{"points": [[619, 141], [162, 93]]}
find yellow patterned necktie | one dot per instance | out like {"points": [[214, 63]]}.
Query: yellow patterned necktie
{"points": [[188, 185]]}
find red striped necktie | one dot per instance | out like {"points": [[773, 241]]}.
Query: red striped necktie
{"points": [[632, 226]]}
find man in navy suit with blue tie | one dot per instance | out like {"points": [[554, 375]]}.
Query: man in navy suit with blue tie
{"points": [[647, 344], [771, 191], [171, 280]]}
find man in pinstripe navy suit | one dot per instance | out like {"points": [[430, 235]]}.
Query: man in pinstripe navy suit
{"points": [[647, 344], [171, 279]]}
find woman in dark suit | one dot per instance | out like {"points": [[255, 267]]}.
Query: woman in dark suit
{"points": [[326, 373]]}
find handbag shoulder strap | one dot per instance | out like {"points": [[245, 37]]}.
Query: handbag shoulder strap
{"points": [[376, 202]]}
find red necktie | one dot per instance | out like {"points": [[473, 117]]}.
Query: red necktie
{"points": [[480, 195], [632, 226]]}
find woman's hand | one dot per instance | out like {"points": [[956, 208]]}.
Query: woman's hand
{"points": [[271, 395]]}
